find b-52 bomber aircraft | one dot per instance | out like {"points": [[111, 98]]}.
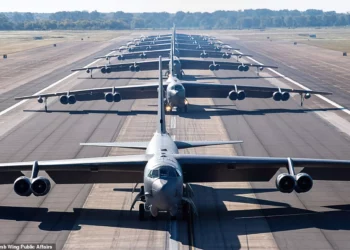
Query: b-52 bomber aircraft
{"points": [[178, 52], [177, 92], [177, 64], [166, 173]]}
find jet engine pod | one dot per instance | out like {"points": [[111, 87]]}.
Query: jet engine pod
{"points": [[40, 186], [233, 95], [277, 96], [143, 56], [132, 68], [117, 97], [307, 96], [40, 99], [137, 68], [241, 95], [285, 96], [285, 183], [241, 68], [103, 70], [121, 58], [246, 68], [217, 67], [131, 49], [304, 183], [71, 99], [22, 186], [109, 97], [64, 99], [212, 67], [108, 70]]}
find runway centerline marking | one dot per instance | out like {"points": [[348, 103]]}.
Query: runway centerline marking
{"points": [[173, 122], [49, 87], [347, 111]]}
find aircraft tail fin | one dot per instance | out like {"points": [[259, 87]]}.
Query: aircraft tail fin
{"points": [[194, 144], [161, 106]]}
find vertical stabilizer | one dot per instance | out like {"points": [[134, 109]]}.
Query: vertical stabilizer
{"points": [[161, 107]]}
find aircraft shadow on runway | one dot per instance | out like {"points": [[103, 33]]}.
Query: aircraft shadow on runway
{"points": [[194, 111], [120, 78], [211, 210]]}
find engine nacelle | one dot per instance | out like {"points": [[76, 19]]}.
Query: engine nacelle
{"points": [[307, 96], [121, 58], [103, 70], [143, 56], [241, 68], [40, 186], [64, 99], [233, 95], [304, 183], [109, 97], [137, 68], [212, 67], [131, 49], [277, 96], [285, 183], [241, 95], [71, 99], [117, 97], [217, 67], [40, 99], [246, 68], [285, 96], [22, 186]]}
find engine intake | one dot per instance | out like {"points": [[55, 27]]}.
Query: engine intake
{"points": [[304, 183], [240, 95], [22, 186], [110, 97], [40, 186], [285, 96], [71, 99], [121, 58], [285, 183], [64, 99], [277, 96]]}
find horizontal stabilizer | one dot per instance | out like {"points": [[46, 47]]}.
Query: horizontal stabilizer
{"points": [[134, 145], [193, 144]]}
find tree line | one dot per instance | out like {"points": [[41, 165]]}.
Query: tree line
{"points": [[245, 19]]}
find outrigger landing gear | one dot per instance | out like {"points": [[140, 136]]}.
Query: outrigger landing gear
{"points": [[303, 97], [45, 103]]}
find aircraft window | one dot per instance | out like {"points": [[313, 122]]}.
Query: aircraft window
{"points": [[154, 173], [172, 173], [178, 87], [163, 172]]}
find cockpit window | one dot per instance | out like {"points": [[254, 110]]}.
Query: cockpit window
{"points": [[163, 172], [154, 173]]}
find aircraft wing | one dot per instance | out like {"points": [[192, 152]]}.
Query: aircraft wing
{"points": [[144, 91], [113, 169], [139, 55], [209, 53], [211, 90], [201, 64], [206, 168], [143, 66]]}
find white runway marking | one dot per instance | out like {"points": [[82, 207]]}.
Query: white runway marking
{"points": [[347, 111], [49, 87]]}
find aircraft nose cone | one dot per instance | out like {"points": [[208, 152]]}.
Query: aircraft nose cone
{"points": [[159, 184]]}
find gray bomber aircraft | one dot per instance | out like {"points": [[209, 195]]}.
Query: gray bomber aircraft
{"points": [[164, 172], [177, 92]]}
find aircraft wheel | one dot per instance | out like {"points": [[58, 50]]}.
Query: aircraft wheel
{"points": [[178, 109], [185, 108], [142, 192], [141, 212]]}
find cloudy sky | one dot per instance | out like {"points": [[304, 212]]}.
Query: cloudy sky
{"points": [[168, 5]]}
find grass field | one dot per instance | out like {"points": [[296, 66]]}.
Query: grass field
{"points": [[329, 38], [15, 41]]}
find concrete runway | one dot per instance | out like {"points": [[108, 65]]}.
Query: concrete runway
{"points": [[231, 215]]}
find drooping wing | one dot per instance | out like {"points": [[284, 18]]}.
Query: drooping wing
{"points": [[206, 168], [201, 64], [126, 92], [210, 53], [206, 90], [114, 169], [143, 66], [137, 55]]}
